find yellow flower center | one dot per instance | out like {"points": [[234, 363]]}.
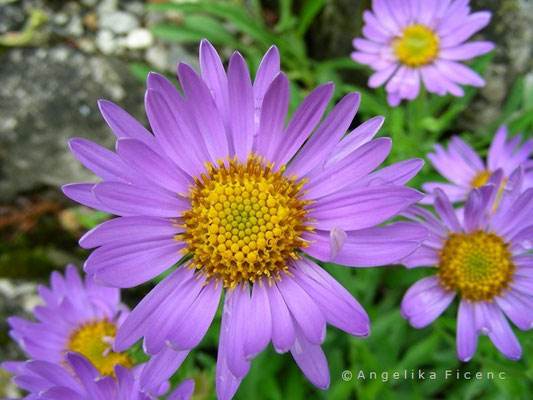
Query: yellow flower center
{"points": [[417, 46], [92, 340], [480, 179], [245, 222], [477, 264]]}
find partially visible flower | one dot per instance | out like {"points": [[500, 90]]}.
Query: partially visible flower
{"points": [[486, 260], [225, 183], [465, 169], [81, 381], [410, 40], [77, 316]]}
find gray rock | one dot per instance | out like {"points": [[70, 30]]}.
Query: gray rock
{"points": [[106, 42], [119, 22], [52, 101], [139, 38], [12, 17], [17, 298], [511, 29]]}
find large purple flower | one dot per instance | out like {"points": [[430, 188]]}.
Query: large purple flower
{"points": [[81, 381], [410, 40], [225, 184], [77, 316], [486, 259], [465, 169]]}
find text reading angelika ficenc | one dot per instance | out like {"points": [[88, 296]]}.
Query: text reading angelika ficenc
{"points": [[421, 375]]}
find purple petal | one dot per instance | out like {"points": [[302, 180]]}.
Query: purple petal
{"points": [[425, 301], [85, 372], [348, 170], [103, 162], [154, 167], [130, 200], [241, 106], [336, 303], [517, 306], [474, 23], [206, 113], [172, 130], [226, 383], [459, 73], [170, 314], [135, 325], [362, 207], [129, 229], [496, 148], [214, 76], [422, 257], [236, 307], [380, 77], [273, 114], [397, 174], [466, 51], [83, 193], [260, 322], [311, 360], [52, 373], [282, 325], [184, 391], [455, 193], [124, 125], [326, 136], [355, 139], [60, 393], [197, 319], [466, 331], [303, 122], [499, 331], [337, 238], [132, 264], [161, 367], [303, 310], [267, 71], [370, 247], [446, 212]]}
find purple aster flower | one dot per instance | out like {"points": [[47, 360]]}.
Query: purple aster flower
{"points": [[486, 260], [77, 316], [410, 40], [465, 169], [225, 183], [82, 381]]}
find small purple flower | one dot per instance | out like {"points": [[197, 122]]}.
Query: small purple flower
{"points": [[77, 316], [486, 259], [81, 381], [410, 40], [225, 183], [465, 169]]}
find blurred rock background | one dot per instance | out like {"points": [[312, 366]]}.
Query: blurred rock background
{"points": [[57, 58]]}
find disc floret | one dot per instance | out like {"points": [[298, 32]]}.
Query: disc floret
{"points": [[477, 264], [245, 221]]}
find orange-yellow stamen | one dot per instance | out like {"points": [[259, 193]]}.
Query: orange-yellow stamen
{"points": [[245, 222], [480, 179], [417, 46], [477, 264], [92, 340]]}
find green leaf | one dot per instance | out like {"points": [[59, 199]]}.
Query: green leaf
{"points": [[196, 28], [308, 14], [226, 11], [140, 71]]}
